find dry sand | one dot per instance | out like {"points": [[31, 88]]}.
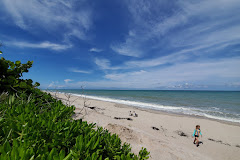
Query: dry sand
{"points": [[221, 140]]}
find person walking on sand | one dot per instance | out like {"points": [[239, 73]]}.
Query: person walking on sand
{"points": [[197, 132]]}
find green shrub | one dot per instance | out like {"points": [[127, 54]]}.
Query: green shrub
{"points": [[32, 128], [34, 125], [10, 77]]}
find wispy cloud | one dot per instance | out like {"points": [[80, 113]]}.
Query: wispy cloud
{"points": [[50, 15], [51, 84], [171, 58], [153, 31], [79, 71], [105, 64], [54, 85], [46, 45], [233, 84], [67, 80], [177, 44], [129, 47], [197, 71], [188, 75], [95, 50], [124, 75], [102, 63], [198, 74]]}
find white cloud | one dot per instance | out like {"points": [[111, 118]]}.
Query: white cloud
{"points": [[124, 75], [115, 76], [186, 75], [171, 58], [50, 15], [55, 85], [95, 50], [175, 57], [67, 80], [46, 45], [102, 63], [234, 84], [127, 49], [79, 71], [51, 84], [105, 64], [152, 28]]}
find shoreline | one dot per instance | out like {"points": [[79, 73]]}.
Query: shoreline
{"points": [[165, 135], [180, 114], [161, 111]]}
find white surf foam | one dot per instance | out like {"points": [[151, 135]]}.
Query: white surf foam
{"points": [[174, 109]]}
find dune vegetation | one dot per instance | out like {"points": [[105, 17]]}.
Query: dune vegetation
{"points": [[34, 125]]}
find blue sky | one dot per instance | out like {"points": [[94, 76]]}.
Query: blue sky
{"points": [[127, 44]]}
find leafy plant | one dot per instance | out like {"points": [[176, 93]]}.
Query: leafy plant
{"points": [[34, 125], [32, 128], [0, 46], [10, 76]]}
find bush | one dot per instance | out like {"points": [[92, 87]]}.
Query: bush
{"points": [[37, 128], [34, 125], [10, 76]]}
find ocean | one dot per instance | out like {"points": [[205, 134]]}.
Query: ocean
{"points": [[221, 105]]}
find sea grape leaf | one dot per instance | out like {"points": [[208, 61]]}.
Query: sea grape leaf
{"points": [[23, 85], [18, 63], [62, 154], [68, 157]]}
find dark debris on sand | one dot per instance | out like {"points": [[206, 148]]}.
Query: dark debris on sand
{"points": [[129, 119], [155, 128], [219, 141], [238, 146], [181, 133]]}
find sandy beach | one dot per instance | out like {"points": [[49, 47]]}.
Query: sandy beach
{"points": [[165, 135]]}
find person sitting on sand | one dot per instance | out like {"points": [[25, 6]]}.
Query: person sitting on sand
{"points": [[135, 114], [130, 113], [197, 132]]}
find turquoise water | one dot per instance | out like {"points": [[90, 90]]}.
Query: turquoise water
{"points": [[224, 105]]}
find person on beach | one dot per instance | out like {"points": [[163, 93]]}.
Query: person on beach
{"points": [[197, 132], [135, 114], [130, 113]]}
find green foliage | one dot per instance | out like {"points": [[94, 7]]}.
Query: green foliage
{"points": [[10, 76], [34, 125], [0, 46], [39, 127]]}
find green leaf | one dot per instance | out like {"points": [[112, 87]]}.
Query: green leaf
{"points": [[62, 154], [18, 62], [68, 157], [51, 154], [96, 144], [7, 147], [23, 85], [32, 158], [12, 66]]}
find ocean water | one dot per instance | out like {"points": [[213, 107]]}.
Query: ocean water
{"points": [[222, 105]]}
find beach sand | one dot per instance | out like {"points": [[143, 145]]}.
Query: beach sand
{"points": [[165, 135]]}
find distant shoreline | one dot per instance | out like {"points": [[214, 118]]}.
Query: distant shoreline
{"points": [[143, 90], [152, 107]]}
